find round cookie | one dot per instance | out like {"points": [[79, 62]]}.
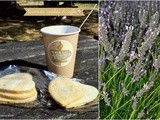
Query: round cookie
{"points": [[11, 101], [17, 96], [17, 83]]}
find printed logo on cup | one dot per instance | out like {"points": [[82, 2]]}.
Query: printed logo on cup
{"points": [[60, 52]]}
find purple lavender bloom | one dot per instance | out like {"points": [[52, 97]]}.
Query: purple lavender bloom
{"points": [[157, 63]]}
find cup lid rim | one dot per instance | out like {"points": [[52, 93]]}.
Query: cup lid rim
{"points": [[43, 30]]}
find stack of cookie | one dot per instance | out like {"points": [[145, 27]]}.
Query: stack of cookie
{"points": [[17, 88], [70, 94]]}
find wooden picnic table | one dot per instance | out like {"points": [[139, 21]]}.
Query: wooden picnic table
{"points": [[31, 54]]}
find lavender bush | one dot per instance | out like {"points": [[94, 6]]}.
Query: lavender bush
{"points": [[129, 59]]}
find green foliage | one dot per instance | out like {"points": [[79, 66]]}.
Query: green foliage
{"points": [[121, 105]]}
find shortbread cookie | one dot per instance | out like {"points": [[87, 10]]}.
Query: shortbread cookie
{"points": [[17, 96], [17, 83], [90, 93], [11, 101], [65, 91]]}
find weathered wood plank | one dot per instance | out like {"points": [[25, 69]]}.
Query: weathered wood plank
{"points": [[24, 50], [53, 12]]}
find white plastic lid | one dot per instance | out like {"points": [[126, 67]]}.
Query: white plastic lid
{"points": [[60, 30]]}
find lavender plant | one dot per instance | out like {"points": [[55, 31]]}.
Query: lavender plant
{"points": [[130, 59], [124, 51]]}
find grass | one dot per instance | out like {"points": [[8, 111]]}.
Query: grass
{"points": [[121, 105]]}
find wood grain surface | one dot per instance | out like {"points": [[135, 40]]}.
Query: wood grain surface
{"points": [[31, 54]]}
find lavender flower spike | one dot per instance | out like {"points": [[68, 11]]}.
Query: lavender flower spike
{"points": [[105, 95], [150, 37], [140, 93], [106, 98], [144, 89], [134, 104], [124, 49], [157, 63], [141, 114]]}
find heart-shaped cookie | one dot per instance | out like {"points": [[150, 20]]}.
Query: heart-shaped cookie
{"points": [[65, 91]]}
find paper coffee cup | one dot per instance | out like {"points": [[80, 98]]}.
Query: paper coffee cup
{"points": [[60, 43]]}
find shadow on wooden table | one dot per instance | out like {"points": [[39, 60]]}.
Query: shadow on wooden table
{"points": [[22, 63]]}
